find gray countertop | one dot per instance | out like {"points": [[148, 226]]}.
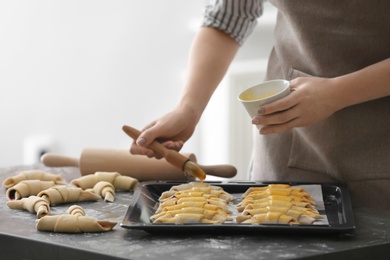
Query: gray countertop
{"points": [[19, 238]]}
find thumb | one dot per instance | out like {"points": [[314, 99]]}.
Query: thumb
{"points": [[146, 138]]}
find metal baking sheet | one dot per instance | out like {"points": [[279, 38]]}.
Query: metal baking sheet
{"points": [[336, 207]]}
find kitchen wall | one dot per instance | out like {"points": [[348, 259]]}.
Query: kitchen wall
{"points": [[73, 72]]}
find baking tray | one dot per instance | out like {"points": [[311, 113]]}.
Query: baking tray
{"points": [[336, 202]]}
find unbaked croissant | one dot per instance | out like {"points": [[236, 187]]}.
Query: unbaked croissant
{"points": [[300, 216], [125, 183], [194, 201], [28, 188], [193, 194], [271, 186], [196, 186], [270, 218], [183, 218], [33, 204], [105, 189], [215, 215], [32, 175], [203, 192], [274, 202], [313, 213], [263, 194], [75, 210], [65, 194], [73, 224]]}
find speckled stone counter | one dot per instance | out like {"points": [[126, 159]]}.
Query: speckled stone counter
{"points": [[19, 238]]}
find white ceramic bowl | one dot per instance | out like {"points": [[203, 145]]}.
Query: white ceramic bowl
{"points": [[269, 91]]}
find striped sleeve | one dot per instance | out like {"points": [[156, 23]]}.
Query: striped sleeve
{"points": [[235, 17]]}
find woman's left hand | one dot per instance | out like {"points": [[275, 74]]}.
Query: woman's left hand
{"points": [[310, 101]]}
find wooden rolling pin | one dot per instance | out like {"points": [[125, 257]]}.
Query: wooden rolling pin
{"points": [[137, 166]]}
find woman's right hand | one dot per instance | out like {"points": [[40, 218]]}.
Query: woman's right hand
{"points": [[172, 130]]}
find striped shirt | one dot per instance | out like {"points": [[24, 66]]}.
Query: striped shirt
{"points": [[237, 18]]}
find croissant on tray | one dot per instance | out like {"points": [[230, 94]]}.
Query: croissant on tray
{"points": [[183, 218], [300, 216], [194, 202], [269, 218], [216, 214]]}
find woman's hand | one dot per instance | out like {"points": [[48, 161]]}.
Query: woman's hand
{"points": [[310, 101], [313, 99], [172, 130]]}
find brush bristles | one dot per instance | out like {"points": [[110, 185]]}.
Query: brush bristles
{"points": [[194, 169]]}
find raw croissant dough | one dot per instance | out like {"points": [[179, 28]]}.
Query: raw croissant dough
{"points": [[196, 189], [193, 203], [285, 201], [300, 216], [27, 188], [75, 210], [183, 218], [271, 218], [73, 224], [104, 189], [65, 194], [33, 204], [120, 182], [32, 175], [218, 215], [200, 202], [277, 204]]}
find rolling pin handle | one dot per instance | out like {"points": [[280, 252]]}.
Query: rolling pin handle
{"points": [[56, 160], [224, 170]]}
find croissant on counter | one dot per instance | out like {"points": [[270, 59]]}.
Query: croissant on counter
{"points": [[66, 194], [32, 175], [120, 182], [73, 224], [75, 210], [105, 189], [33, 204], [28, 188]]}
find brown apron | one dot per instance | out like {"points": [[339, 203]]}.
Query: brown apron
{"points": [[328, 38]]}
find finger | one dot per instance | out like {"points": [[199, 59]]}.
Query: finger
{"points": [[278, 105], [275, 118], [135, 149], [146, 137], [173, 145]]}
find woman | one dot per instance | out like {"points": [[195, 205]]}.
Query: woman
{"points": [[335, 124]]}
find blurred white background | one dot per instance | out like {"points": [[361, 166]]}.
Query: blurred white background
{"points": [[72, 72]]}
